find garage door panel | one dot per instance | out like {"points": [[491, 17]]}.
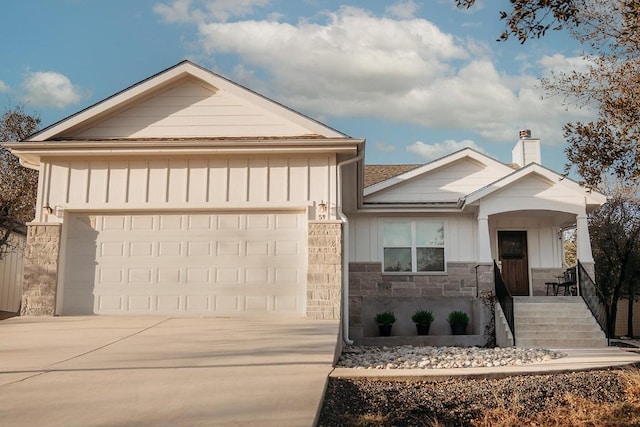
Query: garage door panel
{"points": [[201, 263]]}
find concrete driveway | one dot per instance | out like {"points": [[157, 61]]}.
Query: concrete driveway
{"points": [[153, 371]]}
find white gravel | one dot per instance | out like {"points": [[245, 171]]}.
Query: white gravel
{"points": [[410, 357]]}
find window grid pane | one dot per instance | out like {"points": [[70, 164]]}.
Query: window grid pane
{"points": [[397, 234], [413, 246], [430, 259], [397, 259]]}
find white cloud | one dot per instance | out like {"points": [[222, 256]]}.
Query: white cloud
{"points": [[564, 64], [3, 87], [352, 63], [403, 9], [183, 11], [430, 152], [385, 147], [50, 89]]}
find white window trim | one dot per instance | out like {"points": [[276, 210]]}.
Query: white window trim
{"points": [[413, 222]]}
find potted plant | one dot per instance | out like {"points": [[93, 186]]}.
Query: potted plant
{"points": [[385, 321], [458, 320], [423, 320]]}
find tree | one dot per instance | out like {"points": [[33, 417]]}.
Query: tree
{"points": [[615, 239], [533, 18], [18, 185], [610, 86]]}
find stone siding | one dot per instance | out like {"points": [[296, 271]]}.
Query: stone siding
{"points": [[324, 273], [366, 280], [540, 276], [40, 270]]}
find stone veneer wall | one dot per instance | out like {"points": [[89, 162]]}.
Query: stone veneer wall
{"points": [[40, 270], [324, 271], [366, 280], [540, 276]]}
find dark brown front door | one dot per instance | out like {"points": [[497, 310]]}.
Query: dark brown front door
{"points": [[512, 246]]}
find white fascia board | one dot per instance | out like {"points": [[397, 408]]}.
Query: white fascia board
{"points": [[31, 152], [444, 161]]}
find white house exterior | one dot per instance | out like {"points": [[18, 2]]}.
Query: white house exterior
{"points": [[189, 194], [428, 236]]}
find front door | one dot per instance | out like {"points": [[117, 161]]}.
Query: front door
{"points": [[512, 248]]}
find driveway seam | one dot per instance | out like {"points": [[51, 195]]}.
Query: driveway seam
{"points": [[46, 371], [111, 343]]}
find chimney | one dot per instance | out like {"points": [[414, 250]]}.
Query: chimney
{"points": [[527, 149]]}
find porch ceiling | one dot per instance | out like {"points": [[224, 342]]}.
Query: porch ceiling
{"points": [[558, 218]]}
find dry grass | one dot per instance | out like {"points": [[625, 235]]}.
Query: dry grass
{"points": [[574, 411]]}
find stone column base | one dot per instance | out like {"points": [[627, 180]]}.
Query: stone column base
{"points": [[40, 283]]}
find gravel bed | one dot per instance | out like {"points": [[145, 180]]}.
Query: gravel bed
{"points": [[457, 401], [412, 357]]}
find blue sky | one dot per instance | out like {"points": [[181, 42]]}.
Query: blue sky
{"points": [[417, 79]]}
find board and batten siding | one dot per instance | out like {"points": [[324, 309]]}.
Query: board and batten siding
{"points": [[200, 183], [191, 108], [445, 184], [366, 232]]}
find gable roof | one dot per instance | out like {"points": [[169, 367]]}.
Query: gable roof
{"points": [[185, 109], [102, 110], [533, 169], [414, 172]]}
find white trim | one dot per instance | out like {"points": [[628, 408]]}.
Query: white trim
{"points": [[413, 221]]}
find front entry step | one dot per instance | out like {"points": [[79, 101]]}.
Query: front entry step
{"points": [[555, 322]]}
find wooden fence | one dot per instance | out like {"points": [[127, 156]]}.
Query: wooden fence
{"points": [[11, 277]]}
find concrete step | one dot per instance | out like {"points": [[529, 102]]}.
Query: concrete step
{"points": [[562, 343], [548, 308], [542, 327], [559, 322], [558, 334], [549, 300]]}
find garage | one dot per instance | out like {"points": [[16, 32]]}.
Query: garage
{"points": [[196, 263]]}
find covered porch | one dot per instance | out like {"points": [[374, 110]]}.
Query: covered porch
{"points": [[528, 247]]}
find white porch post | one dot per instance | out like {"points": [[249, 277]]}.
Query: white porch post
{"points": [[583, 249], [484, 240]]}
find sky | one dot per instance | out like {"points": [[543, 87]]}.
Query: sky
{"points": [[417, 79]]}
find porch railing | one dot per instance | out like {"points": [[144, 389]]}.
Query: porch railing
{"points": [[504, 298], [594, 299]]}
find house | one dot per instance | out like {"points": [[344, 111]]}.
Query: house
{"points": [[426, 236], [189, 194]]}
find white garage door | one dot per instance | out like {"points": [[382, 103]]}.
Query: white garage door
{"points": [[196, 263]]}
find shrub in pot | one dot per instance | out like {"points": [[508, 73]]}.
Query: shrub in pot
{"points": [[423, 320], [458, 320], [385, 321]]}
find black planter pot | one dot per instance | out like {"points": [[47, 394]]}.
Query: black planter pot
{"points": [[385, 330], [423, 328], [459, 329]]}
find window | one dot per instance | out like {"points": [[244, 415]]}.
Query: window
{"points": [[413, 246]]}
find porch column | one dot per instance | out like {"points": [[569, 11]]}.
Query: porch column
{"points": [[484, 241], [583, 243]]}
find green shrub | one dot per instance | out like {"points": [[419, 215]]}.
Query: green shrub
{"points": [[385, 318], [422, 317], [458, 318]]}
